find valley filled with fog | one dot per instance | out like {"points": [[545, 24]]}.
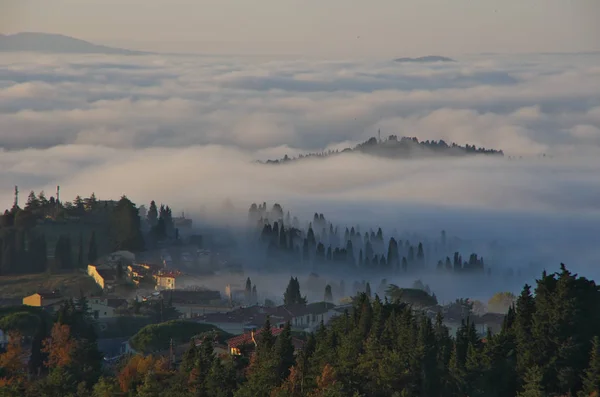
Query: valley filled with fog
{"points": [[187, 131]]}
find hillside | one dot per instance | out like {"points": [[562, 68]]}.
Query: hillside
{"points": [[55, 43], [426, 59], [404, 148], [69, 283]]}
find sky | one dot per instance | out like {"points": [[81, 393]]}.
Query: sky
{"points": [[333, 28]]}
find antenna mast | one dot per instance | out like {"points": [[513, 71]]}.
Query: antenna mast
{"points": [[16, 204], [379, 134]]}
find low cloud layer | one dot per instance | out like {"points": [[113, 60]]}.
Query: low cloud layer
{"points": [[525, 105], [186, 130]]}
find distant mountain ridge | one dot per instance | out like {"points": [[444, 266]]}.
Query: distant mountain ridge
{"points": [[426, 59], [404, 148], [56, 43]]}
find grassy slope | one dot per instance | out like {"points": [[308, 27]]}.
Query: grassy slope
{"points": [[69, 284]]}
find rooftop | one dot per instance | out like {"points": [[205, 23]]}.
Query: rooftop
{"points": [[50, 295], [107, 274], [246, 339], [190, 296]]}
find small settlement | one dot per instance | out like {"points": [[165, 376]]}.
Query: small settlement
{"points": [[136, 289]]}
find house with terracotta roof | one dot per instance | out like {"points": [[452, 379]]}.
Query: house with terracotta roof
{"points": [[165, 280], [245, 319], [246, 343]]}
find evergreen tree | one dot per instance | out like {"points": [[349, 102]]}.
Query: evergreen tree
{"points": [[525, 310], [80, 261], [125, 227], [533, 383], [254, 294], [591, 378], [92, 249], [62, 253], [284, 352], [248, 289], [328, 295], [221, 380], [33, 203], [292, 294], [90, 203]]}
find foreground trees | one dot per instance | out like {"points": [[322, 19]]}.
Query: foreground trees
{"points": [[548, 346]]}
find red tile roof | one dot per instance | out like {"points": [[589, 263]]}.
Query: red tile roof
{"points": [[246, 339]]}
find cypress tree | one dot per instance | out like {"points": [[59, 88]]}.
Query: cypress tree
{"points": [[328, 295], [284, 352], [80, 262], [92, 249]]}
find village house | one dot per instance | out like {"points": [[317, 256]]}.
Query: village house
{"points": [[50, 300], [247, 339], [301, 317], [308, 317], [245, 319], [246, 343], [167, 280], [194, 303], [105, 277], [105, 307], [139, 271]]}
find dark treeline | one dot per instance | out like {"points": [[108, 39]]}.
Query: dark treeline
{"points": [[322, 246], [406, 147], [52, 235], [548, 346]]}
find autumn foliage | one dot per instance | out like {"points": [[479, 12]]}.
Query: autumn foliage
{"points": [[60, 346], [12, 361], [134, 371]]}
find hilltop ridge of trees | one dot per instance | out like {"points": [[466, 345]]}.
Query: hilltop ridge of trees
{"points": [[395, 148], [48, 234]]}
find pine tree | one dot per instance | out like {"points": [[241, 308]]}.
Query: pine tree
{"points": [[90, 203], [151, 386], [221, 380], [190, 357], [533, 383], [525, 309], [591, 378], [33, 202]]}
